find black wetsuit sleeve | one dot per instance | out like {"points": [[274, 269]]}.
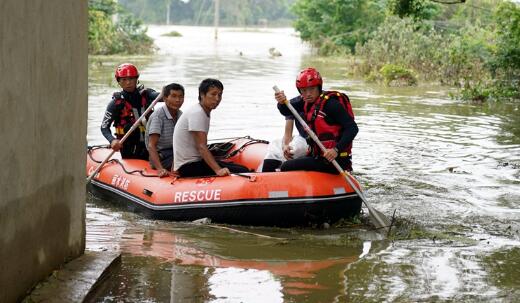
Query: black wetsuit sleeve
{"points": [[337, 114], [152, 94], [297, 103], [108, 118], [150, 97]]}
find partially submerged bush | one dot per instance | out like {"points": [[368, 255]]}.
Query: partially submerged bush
{"points": [[404, 43], [396, 75], [172, 34], [476, 93]]}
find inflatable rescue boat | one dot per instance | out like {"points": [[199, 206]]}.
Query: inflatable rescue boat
{"points": [[255, 198]]}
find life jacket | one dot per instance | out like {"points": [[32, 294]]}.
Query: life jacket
{"points": [[329, 134], [126, 114]]}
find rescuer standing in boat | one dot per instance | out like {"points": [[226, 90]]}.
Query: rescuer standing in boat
{"points": [[124, 109], [329, 114]]}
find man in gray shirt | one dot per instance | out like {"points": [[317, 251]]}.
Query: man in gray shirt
{"points": [[160, 127], [190, 139]]}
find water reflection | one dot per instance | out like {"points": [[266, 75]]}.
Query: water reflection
{"points": [[504, 272], [447, 274], [221, 265]]}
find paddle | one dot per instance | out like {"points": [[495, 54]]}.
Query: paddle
{"points": [[128, 133], [377, 218]]}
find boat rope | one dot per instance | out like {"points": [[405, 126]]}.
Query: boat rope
{"points": [[228, 138], [140, 171], [241, 148], [232, 139], [219, 150], [245, 232], [207, 223]]}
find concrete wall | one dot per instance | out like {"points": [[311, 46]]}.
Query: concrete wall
{"points": [[43, 93]]}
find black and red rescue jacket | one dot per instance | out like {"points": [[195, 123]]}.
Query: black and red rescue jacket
{"points": [[331, 118], [328, 132], [123, 113]]}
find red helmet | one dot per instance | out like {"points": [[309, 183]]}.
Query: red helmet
{"points": [[308, 77], [126, 70]]}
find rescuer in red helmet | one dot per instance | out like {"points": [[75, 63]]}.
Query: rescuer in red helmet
{"points": [[124, 109], [329, 114]]}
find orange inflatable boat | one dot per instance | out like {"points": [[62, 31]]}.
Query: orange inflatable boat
{"points": [[255, 198]]}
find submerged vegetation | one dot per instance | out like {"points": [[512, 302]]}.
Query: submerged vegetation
{"points": [[406, 229], [396, 75], [473, 45], [172, 34], [126, 35]]}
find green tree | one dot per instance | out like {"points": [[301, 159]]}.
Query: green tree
{"points": [[400, 42], [507, 54], [127, 35], [101, 32], [505, 65], [333, 26], [416, 9]]}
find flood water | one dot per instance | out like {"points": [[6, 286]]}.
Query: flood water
{"points": [[450, 170]]}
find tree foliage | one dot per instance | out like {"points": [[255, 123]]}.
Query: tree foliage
{"points": [[340, 24], [126, 36], [474, 46], [415, 9], [101, 32], [507, 54]]}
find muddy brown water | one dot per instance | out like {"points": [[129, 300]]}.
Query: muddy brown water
{"points": [[450, 170]]}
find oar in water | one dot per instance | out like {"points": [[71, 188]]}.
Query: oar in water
{"points": [[128, 133], [376, 217]]}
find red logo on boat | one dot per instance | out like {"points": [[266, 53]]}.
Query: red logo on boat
{"points": [[205, 181]]}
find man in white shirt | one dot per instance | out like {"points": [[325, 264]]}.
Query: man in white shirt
{"points": [[190, 138]]}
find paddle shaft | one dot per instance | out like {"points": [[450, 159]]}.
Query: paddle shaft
{"points": [[128, 133], [379, 219]]}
